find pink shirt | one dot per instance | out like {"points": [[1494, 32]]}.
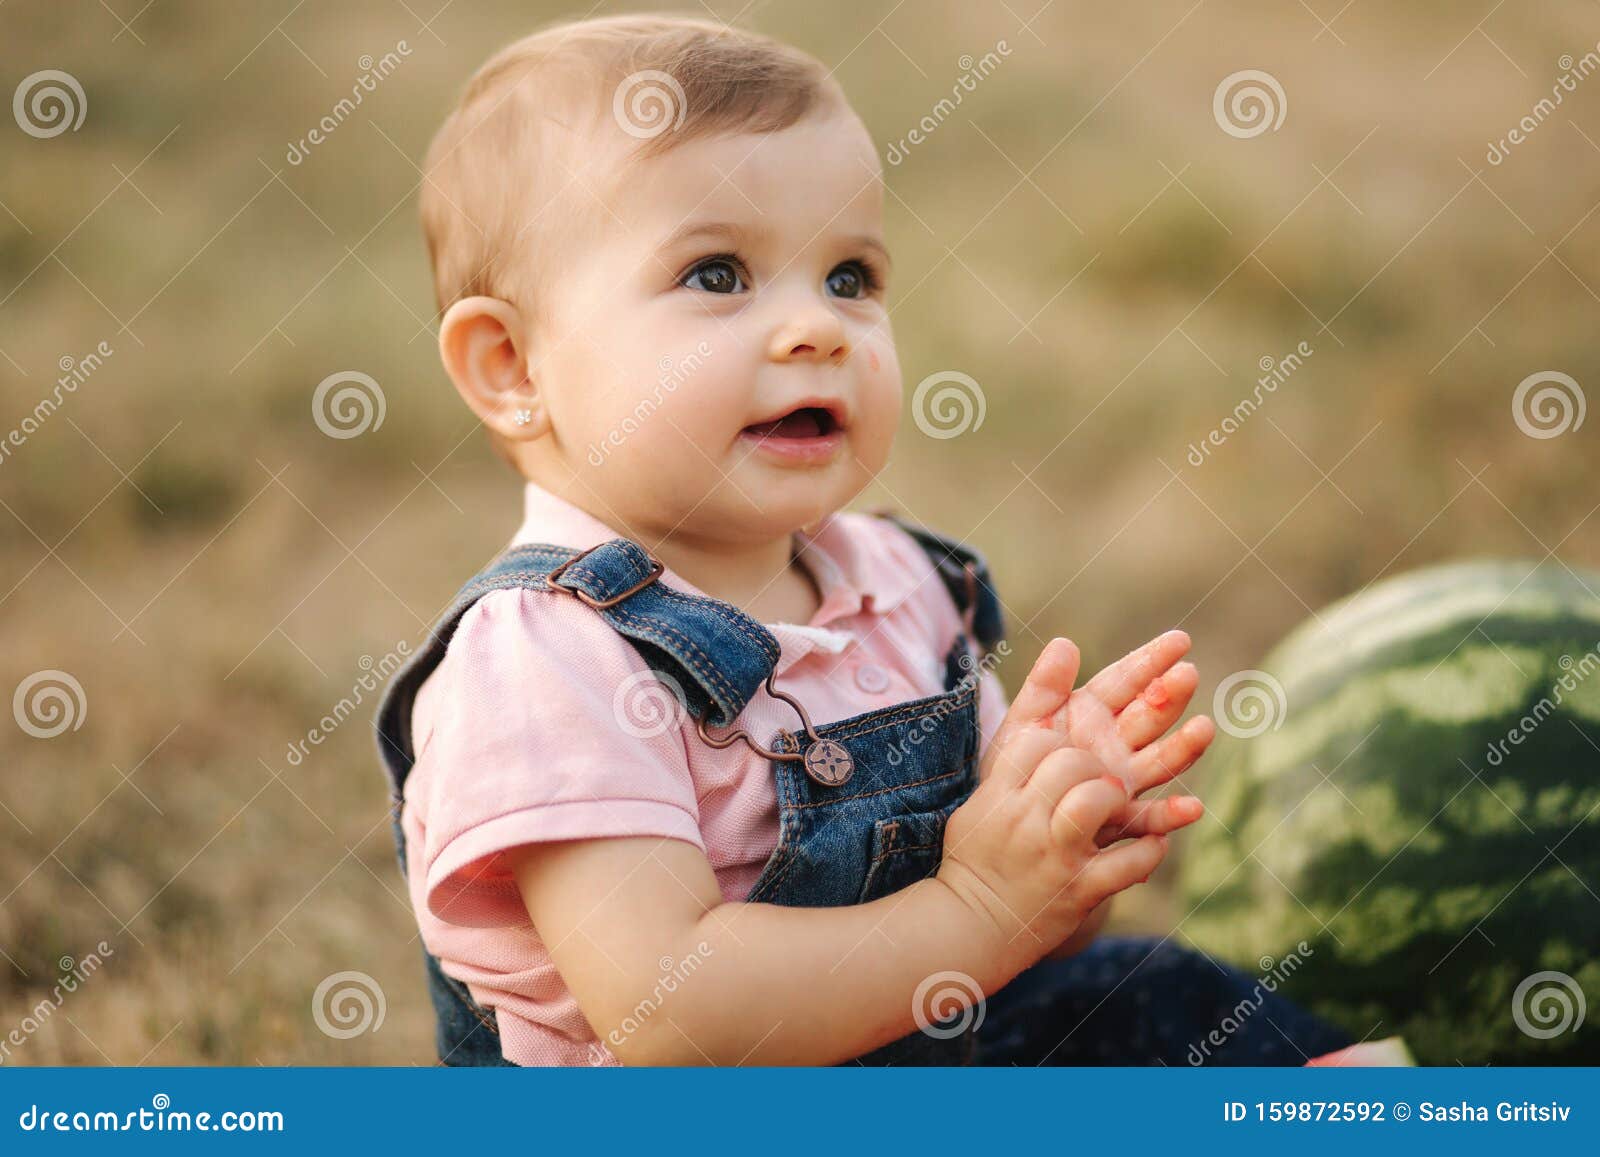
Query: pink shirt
{"points": [[517, 741]]}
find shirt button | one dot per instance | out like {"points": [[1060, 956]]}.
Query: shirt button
{"points": [[872, 680]]}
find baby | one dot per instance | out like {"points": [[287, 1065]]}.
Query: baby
{"points": [[703, 768]]}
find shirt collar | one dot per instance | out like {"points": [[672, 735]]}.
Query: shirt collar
{"points": [[849, 554]]}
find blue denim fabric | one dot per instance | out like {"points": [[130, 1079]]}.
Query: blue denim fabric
{"points": [[879, 831], [1145, 1001]]}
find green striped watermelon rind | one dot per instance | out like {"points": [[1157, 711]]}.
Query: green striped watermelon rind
{"points": [[1522, 593], [1423, 920]]}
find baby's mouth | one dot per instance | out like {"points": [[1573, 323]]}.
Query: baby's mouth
{"points": [[806, 436], [806, 422]]}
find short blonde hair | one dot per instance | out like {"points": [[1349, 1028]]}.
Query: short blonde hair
{"points": [[488, 170]]}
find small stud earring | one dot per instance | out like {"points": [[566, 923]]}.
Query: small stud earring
{"points": [[523, 417]]}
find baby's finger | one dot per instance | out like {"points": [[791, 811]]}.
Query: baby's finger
{"points": [[1012, 756], [1152, 817], [1024, 735], [1172, 756], [1047, 686], [1160, 705], [1119, 683], [1120, 867], [1088, 807], [1062, 770]]}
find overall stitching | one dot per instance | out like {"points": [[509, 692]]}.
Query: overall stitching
{"points": [[957, 699], [731, 615], [881, 790], [693, 660]]}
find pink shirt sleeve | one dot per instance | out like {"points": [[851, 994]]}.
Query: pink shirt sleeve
{"points": [[537, 726]]}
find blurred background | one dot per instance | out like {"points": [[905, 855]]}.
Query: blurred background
{"points": [[1133, 218]]}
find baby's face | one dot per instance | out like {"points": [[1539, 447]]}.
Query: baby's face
{"points": [[716, 357]]}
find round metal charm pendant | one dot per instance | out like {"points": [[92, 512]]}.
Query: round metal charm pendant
{"points": [[829, 763]]}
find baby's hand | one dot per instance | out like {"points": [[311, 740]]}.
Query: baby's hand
{"points": [[1116, 715], [1025, 851]]}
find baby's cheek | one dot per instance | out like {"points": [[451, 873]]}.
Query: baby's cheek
{"points": [[879, 398], [878, 404], [880, 375]]}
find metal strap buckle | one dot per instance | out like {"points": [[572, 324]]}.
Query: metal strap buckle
{"points": [[825, 761], [656, 568]]}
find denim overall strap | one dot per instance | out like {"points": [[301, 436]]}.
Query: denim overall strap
{"points": [[710, 650]]}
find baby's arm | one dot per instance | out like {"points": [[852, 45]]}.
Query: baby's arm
{"points": [[668, 973]]}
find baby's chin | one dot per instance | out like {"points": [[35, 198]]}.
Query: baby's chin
{"points": [[748, 498], [754, 513], [799, 503]]}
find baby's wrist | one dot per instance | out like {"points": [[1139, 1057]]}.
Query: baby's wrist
{"points": [[1085, 934], [982, 930]]}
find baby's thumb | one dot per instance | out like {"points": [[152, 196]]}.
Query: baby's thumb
{"points": [[1048, 685], [1019, 742]]}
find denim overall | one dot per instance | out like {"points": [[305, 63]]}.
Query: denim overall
{"points": [[862, 807]]}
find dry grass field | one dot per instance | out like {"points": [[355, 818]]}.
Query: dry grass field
{"points": [[1080, 235]]}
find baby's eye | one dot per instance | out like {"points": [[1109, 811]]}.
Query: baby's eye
{"points": [[850, 279], [714, 275]]}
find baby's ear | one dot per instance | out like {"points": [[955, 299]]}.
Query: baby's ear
{"points": [[481, 342]]}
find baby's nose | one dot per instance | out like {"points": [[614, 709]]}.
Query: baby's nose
{"points": [[818, 337]]}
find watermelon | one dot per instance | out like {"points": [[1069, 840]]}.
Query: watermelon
{"points": [[1403, 815], [1389, 1053]]}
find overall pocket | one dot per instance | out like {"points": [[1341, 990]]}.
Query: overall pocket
{"points": [[905, 848]]}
